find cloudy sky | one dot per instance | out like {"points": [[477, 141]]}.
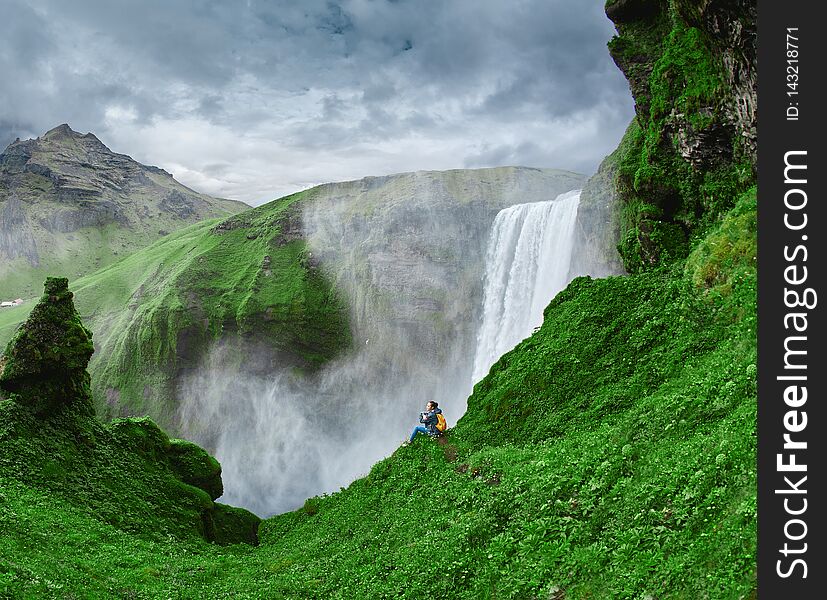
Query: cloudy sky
{"points": [[254, 99]]}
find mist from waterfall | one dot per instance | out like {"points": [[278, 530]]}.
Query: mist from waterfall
{"points": [[283, 438], [408, 254], [527, 263]]}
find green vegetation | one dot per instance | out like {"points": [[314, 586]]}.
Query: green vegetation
{"points": [[161, 309], [681, 165], [609, 455], [70, 206], [128, 474], [74, 254], [728, 253], [87, 249]]}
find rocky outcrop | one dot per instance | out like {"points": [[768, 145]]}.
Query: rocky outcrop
{"points": [[691, 151], [44, 365], [623, 11], [194, 466], [190, 463], [69, 204], [729, 26], [179, 204], [87, 214], [49, 427], [232, 525]]}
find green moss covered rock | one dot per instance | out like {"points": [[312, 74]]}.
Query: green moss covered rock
{"points": [[129, 474], [188, 462], [233, 525], [193, 465], [142, 436], [44, 365], [690, 152]]}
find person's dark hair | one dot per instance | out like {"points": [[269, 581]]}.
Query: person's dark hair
{"points": [[434, 403]]}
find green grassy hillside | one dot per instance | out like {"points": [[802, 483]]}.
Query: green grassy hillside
{"points": [[160, 309], [250, 287], [610, 455], [127, 475]]}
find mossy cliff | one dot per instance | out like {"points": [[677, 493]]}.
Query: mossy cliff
{"points": [[691, 149], [127, 473], [247, 283]]}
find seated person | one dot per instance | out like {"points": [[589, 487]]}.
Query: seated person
{"points": [[429, 420]]}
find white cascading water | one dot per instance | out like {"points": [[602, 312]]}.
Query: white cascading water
{"points": [[526, 265], [282, 438]]}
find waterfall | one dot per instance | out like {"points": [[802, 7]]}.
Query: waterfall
{"points": [[526, 264], [408, 254]]}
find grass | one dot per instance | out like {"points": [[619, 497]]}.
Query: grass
{"points": [[146, 203], [611, 454], [53, 549], [159, 310], [83, 251]]}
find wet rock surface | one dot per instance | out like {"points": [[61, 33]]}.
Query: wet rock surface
{"points": [[16, 239]]}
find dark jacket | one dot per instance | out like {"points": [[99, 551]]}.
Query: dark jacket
{"points": [[429, 419]]}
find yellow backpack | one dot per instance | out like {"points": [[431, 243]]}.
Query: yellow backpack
{"points": [[441, 423]]}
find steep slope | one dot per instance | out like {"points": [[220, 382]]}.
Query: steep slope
{"points": [[289, 282], [69, 205], [250, 312], [609, 455], [129, 473]]}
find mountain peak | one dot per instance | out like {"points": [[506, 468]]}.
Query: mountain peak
{"points": [[65, 182], [62, 130], [63, 133]]}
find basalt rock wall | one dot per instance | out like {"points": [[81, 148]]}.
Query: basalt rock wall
{"points": [[691, 149]]}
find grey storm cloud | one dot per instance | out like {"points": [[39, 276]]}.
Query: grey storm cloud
{"points": [[286, 94]]}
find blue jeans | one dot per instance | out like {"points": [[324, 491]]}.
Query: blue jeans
{"points": [[419, 429]]}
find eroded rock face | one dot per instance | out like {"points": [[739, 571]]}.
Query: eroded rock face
{"points": [[16, 239], [597, 229], [61, 192], [621, 11], [692, 150], [730, 26], [44, 365], [408, 251]]}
